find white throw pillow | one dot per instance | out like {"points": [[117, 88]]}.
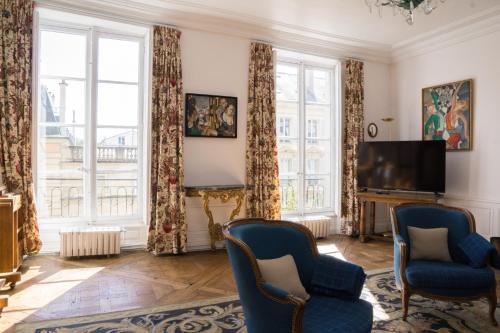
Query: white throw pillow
{"points": [[282, 273], [429, 244]]}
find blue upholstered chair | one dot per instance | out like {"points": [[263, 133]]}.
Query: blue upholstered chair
{"points": [[269, 309], [447, 281]]}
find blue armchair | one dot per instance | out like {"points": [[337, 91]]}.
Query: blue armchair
{"points": [[269, 309], [447, 281]]}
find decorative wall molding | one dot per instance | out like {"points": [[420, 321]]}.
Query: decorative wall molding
{"points": [[197, 16], [203, 18], [468, 28]]}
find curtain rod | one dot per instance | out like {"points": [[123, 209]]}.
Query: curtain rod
{"points": [[89, 12]]}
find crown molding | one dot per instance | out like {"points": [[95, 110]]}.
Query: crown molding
{"points": [[191, 16], [471, 27]]}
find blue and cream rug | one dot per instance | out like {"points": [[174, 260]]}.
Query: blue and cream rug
{"points": [[225, 315]]}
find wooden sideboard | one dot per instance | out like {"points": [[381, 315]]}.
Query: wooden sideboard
{"points": [[390, 198], [11, 238]]}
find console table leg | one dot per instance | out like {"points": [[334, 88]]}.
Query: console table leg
{"points": [[372, 218], [362, 223]]}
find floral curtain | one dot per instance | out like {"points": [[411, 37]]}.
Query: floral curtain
{"points": [[353, 134], [16, 23], [262, 178], [167, 228]]}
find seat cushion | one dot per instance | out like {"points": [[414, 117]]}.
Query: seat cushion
{"points": [[424, 274], [325, 314]]}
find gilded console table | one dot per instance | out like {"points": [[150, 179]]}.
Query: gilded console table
{"points": [[224, 193]]}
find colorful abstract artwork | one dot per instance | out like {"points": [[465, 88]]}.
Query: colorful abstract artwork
{"points": [[447, 114], [211, 116]]}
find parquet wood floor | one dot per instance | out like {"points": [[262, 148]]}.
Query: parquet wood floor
{"points": [[52, 287]]}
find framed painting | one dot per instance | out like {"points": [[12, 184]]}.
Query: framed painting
{"points": [[447, 114], [211, 116]]}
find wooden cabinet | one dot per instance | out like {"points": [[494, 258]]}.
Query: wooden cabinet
{"points": [[11, 237]]}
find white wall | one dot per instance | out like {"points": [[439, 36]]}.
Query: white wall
{"points": [[377, 106], [472, 178], [218, 64]]}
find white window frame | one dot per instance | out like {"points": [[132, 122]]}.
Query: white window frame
{"points": [[93, 32], [303, 63]]}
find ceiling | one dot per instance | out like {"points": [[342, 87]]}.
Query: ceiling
{"points": [[349, 19]]}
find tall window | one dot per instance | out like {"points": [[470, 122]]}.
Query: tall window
{"points": [[305, 93], [89, 124]]}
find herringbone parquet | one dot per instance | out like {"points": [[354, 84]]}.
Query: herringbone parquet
{"points": [[52, 287]]}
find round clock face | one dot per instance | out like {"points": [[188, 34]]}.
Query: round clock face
{"points": [[372, 130]]}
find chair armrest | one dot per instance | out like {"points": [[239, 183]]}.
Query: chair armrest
{"points": [[400, 258], [283, 308], [337, 278], [274, 291]]}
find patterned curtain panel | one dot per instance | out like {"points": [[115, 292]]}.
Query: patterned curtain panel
{"points": [[167, 228], [262, 178], [353, 134], [16, 22]]}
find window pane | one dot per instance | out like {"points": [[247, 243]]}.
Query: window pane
{"points": [[117, 171], [118, 60], [62, 101], [318, 166], [63, 54], [287, 82], [287, 115], [117, 104], [318, 86], [60, 185]]}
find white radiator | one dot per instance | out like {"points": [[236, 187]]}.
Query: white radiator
{"points": [[90, 241], [319, 225]]}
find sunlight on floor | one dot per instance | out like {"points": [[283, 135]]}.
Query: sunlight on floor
{"points": [[331, 250], [37, 295], [378, 312]]}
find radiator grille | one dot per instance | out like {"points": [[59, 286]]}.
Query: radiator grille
{"points": [[319, 225], [89, 241]]}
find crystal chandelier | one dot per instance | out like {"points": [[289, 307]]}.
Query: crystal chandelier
{"points": [[405, 7]]}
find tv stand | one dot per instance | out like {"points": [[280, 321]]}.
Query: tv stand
{"points": [[383, 192], [389, 198]]}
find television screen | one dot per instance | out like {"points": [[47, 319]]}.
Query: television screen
{"points": [[402, 165]]}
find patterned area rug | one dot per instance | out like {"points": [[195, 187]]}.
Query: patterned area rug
{"points": [[225, 315]]}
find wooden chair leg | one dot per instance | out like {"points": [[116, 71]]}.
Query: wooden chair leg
{"points": [[493, 306], [4, 302], [405, 298]]}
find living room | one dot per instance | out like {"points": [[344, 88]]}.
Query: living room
{"points": [[132, 131]]}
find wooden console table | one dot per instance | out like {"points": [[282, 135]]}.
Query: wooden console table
{"points": [[224, 193], [390, 198]]}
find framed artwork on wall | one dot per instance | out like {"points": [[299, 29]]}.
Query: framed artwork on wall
{"points": [[447, 114], [211, 116]]}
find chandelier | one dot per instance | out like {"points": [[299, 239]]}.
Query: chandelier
{"points": [[405, 7]]}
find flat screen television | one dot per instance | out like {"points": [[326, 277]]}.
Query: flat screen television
{"points": [[402, 165]]}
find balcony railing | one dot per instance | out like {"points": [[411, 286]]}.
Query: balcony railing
{"points": [[67, 200], [112, 154], [314, 194]]}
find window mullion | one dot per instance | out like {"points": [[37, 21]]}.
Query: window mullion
{"points": [[302, 128], [92, 115]]}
